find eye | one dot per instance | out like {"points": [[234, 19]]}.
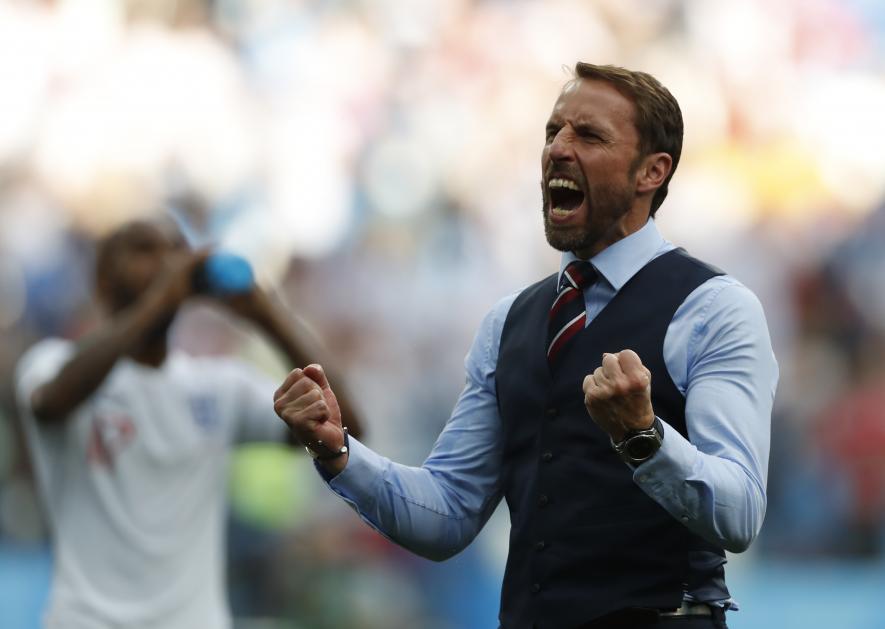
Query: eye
{"points": [[551, 132], [587, 133]]}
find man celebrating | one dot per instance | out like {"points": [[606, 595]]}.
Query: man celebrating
{"points": [[130, 442], [619, 518]]}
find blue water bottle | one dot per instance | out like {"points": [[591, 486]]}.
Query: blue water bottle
{"points": [[224, 274]]}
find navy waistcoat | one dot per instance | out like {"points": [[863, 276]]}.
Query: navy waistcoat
{"points": [[585, 540]]}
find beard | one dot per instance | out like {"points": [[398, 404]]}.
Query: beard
{"points": [[604, 206]]}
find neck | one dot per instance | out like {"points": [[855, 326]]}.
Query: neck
{"points": [[630, 223], [151, 355], [154, 348]]}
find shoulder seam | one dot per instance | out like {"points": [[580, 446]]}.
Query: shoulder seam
{"points": [[702, 321]]}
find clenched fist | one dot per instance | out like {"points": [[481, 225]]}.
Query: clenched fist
{"points": [[618, 394], [306, 402]]}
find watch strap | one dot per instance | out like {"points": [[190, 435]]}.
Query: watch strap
{"points": [[319, 451]]}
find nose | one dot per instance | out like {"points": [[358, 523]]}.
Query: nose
{"points": [[561, 146]]}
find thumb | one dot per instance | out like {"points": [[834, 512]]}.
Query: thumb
{"points": [[315, 372]]}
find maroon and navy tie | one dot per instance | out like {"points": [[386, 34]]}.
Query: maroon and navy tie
{"points": [[567, 314]]}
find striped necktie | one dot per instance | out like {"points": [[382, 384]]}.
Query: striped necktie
{"points": [[567, 314]]}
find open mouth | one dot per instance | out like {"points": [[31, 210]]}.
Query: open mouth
{"points": [[566, 197]]}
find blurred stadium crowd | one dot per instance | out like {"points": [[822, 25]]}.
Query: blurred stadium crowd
{"points": [[377, 161]]}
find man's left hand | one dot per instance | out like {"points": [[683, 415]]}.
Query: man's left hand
{"points": [[618, 394]]}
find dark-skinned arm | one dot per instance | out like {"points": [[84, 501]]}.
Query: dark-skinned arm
{"points": [[55, 400], [297, 343]]}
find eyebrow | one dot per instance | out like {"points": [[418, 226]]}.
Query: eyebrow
{"points": [[579, 123]]}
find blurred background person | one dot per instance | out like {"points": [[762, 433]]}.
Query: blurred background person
{"points": [[366, 153], [130, 444]]}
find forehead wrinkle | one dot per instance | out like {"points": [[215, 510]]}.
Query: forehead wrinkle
{"points": [[576, 114], [580, 119], [602, 94]]}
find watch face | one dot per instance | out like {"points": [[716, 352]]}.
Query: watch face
{"points": [[641, 448]]}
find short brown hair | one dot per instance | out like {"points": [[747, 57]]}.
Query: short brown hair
{"points": [[658, 117]]}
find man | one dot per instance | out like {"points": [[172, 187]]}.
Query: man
{"points": [[619, 519], [130, 442]]}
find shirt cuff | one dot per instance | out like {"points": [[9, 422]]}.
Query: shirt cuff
{"points": [[663, 474], [357, 483], [360, 475]]}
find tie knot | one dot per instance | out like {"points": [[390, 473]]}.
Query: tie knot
{"points": [[579, 274]]}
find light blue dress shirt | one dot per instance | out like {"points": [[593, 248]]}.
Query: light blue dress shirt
{"points": [[718, 353]]}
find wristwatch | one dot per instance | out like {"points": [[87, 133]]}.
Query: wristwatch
{"points": [[320, 452], [639, 446]]}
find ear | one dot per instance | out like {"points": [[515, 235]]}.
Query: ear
{"points": [[652, 172]]}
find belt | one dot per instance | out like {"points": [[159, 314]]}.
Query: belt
{"points": [[689, 609], [639, 616]]}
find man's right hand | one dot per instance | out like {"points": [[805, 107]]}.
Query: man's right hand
{"points": [[306, 402]]}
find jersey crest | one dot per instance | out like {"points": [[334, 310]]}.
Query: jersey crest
{"points": [[111, 433], [204, 409]]}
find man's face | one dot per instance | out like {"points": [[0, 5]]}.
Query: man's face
{"points": [[588, 167], [137, 257]]}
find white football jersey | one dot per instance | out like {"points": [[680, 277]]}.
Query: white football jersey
{"points": [[134, 484]]}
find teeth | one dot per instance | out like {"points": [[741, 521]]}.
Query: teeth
{"points": [[560, 212], [563, 183]]}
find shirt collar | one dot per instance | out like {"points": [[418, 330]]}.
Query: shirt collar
{"points": [[620, 261]]}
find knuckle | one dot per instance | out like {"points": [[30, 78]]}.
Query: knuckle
{"points": [[307, 414], [632, 383], [316, 402]]}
